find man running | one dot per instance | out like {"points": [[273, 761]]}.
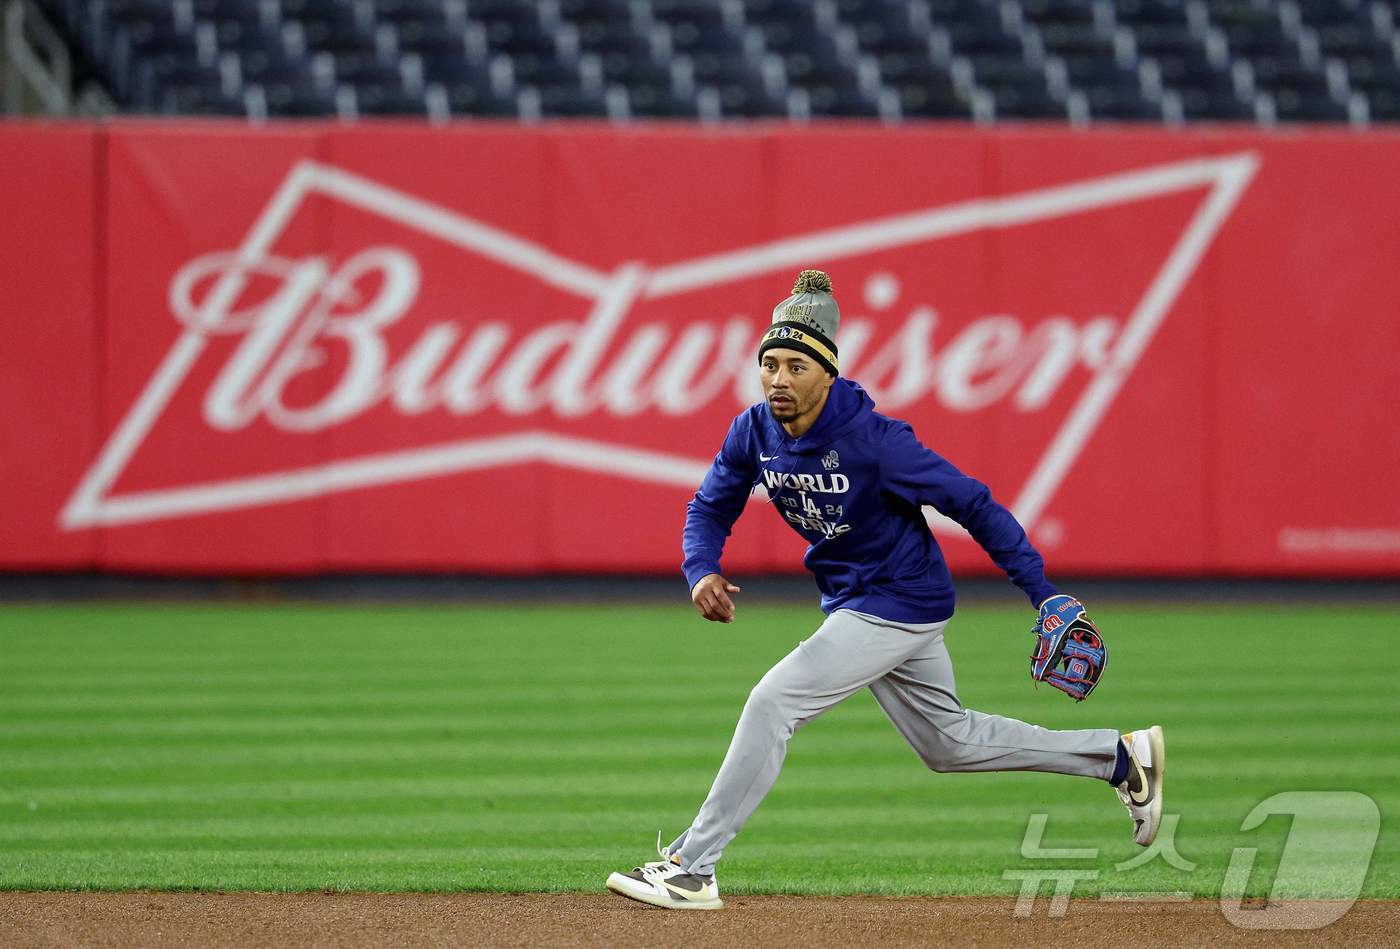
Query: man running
{"points": [[854, 483]]}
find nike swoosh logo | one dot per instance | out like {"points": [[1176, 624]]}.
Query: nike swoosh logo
{"points": [[1146, 788], [763, 457], [684, 893]]}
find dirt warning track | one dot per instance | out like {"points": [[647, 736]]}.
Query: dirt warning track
{"points": [[489, 919]]}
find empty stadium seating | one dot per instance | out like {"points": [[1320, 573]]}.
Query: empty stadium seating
{"points": [[1265, 61]]}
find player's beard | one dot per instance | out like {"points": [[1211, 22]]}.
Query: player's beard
{"points": [[796, 406]]}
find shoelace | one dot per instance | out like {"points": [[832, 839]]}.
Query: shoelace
{"points": [[663, 852]]}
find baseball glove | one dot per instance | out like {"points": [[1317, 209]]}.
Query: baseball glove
{"points": [[1069, 652]]}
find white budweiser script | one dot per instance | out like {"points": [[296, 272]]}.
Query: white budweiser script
{"points": [[575, 367], [336, 318]]}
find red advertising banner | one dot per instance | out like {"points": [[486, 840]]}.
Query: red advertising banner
{"points": [[176, 486], [50, 330], [507, 349], [1305, 433]]}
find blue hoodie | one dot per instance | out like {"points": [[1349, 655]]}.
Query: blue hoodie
{"points": [[853, 486]]}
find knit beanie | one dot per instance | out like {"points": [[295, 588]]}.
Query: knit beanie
{"points": [[806, 321]]}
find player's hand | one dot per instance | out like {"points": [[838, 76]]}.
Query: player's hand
{"points": [[711, 598], [1069, 652]]}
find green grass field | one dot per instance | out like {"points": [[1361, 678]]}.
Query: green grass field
{"points": [[523, 748]]}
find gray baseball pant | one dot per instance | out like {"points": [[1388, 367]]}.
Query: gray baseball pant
{"points": [[908, 670]]}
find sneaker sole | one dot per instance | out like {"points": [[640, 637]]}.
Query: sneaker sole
{"points": [[621, 885], [1159, 767]]}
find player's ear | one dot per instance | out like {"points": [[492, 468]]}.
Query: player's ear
{"points": [[829, 380]]}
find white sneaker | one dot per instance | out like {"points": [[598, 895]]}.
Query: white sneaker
{"points": [[1141, 791], [663, 883]]}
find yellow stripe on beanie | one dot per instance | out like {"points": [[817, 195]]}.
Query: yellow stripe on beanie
{"points": [[806, 340]]}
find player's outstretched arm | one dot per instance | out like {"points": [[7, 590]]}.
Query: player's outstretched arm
{"points": [[711, 598], [919, 476]]}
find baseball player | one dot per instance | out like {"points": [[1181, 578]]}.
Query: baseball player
{"points": [[853, 483]]}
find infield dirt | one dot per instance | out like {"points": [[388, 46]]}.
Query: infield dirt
{"points": [[490, 919]]}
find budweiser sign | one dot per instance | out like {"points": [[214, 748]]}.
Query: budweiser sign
{"points": [[489, 349]]}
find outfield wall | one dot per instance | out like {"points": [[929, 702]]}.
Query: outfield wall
{"points": [[495, 348]]}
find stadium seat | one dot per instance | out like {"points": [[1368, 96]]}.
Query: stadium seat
{"points": [[1203, 104], [566, 100], [996, 71], [1150, 12], [1291, 105], [1385, 104], [1091, 69], [1121, 103], [610, 10], [1252, 41], [974, 13], [317, 9], [376, 99], [660, 102], [357, 69], [629, 71], [293, 98], [1169, 39], [465, 41], [402, 11], [267, 68], [1373, 75], [704, 37], [1065, 12], [967, 39], [1028, 103], [749, 101], [1352, 40], [468, 99], [840, 100], [332, 35], [933, 102], [1237, 60], [197, 99], [1077, 39]]}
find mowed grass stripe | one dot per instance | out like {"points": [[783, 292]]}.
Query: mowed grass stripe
{"points": [[190, 639], [685, 775], [305, 747], [924, 866], [371, 831], [1287, 720], [782, 869], [537, 828], [434, 749], [520, 819], [817, 789], [527, 699], [23, 690]]}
